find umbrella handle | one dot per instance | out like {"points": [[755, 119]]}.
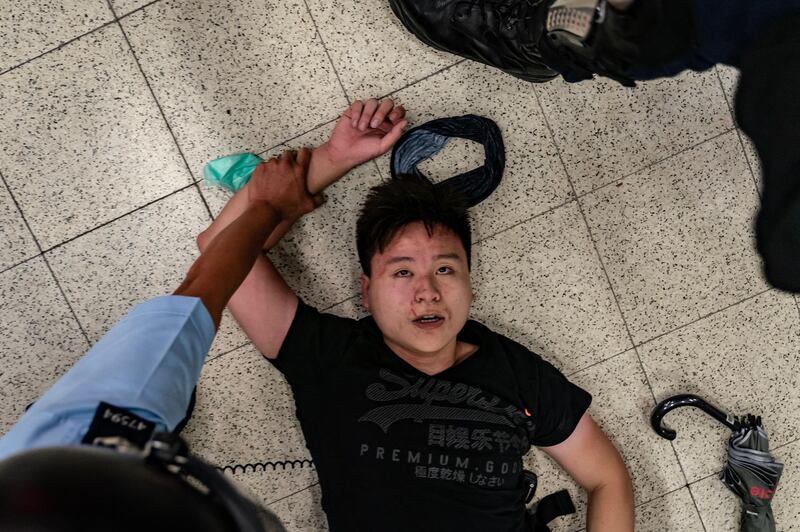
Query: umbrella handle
{"points": [[678, 401]]}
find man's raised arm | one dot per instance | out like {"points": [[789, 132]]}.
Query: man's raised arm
{"points": [[264, 306]]}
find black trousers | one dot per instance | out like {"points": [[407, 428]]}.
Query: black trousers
{"points": [[768, 111], [762, 39]]}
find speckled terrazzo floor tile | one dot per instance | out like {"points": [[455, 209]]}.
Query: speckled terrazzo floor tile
{"points": [[30, 28], [621, 405], [16, 241], [143, 255], [371, 50], [41, 339], [245, 413], [267, 483], [457, 156], [672, 512], [124, 7], [302, 512], [534, 179], [743, 360], [606, 131], [84, 119], [730, 79], [541, 284], [234, 76], [720, 509], [677, 239]]}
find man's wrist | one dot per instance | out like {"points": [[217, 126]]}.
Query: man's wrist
{"points": [[335, 163]]}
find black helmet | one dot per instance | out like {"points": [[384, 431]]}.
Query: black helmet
{"points": [[501, 33], [121, 488]]}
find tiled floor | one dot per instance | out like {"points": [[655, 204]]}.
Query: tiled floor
{"points": [[619, 244]]}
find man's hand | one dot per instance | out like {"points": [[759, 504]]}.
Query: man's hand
{"points": [[365, 130], [281, 182]]}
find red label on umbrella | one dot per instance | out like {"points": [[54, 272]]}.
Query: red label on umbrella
{"points": [[761, 493]]}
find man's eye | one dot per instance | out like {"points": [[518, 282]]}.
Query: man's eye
{"points": [[444, 269], [402, 273]]}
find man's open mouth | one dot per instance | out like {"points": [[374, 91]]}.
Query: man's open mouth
{"points": [[429, 318]]}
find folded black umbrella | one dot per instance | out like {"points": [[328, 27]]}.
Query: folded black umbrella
{"points": [[752, 474], [751, 471]]}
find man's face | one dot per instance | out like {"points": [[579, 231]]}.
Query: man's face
{"points": [[419, 291]]}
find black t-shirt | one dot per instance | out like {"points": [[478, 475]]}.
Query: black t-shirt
{"points": [[398, 450]]}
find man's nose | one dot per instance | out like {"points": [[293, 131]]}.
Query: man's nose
{"points": [[426, 289]]}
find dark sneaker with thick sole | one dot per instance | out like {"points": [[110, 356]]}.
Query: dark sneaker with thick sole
{"points": [[500, 33]]}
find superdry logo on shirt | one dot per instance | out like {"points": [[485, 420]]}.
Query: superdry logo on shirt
{"points": [[481, 406], [470, 436]]}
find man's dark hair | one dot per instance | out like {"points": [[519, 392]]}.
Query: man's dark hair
{"points": [[405, 200]]}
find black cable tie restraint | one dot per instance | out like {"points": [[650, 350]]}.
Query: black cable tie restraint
{"points": [[424, 141]]}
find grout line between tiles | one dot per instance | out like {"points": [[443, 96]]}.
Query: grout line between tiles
{"points": [[608, 280], [293, 494], [327, 53], [404, 87], [510, 227], [158, 104], [66, 300], [749, 165], [651, 165], [738, 131], [22, 215], [593, 364], [753, 296], [696, 507], [670, 492], [20, 263], [46, 262], [228, 352], [67, 241], [58, 47], [284, 142], [203, 199], [137, 9]]}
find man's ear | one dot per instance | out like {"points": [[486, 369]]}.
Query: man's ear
{"points": [[364, 280]]}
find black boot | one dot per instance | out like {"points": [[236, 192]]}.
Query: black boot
{"points": [[500, 33]]}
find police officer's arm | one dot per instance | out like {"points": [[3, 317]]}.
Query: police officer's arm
{"points": [[276, 193], [592, 460], [139, 377]]}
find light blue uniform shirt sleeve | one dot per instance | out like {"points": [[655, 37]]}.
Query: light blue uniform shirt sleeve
{"points": [[148, 363]]}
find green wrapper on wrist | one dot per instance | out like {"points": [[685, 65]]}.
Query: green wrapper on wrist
{"points": [[231, 172]]}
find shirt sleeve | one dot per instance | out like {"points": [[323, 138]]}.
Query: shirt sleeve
{"points": [[315, 341], [555, 403], [148, 364]]}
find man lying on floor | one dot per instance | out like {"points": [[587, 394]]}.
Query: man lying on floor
{"points": [[416, 417]]}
